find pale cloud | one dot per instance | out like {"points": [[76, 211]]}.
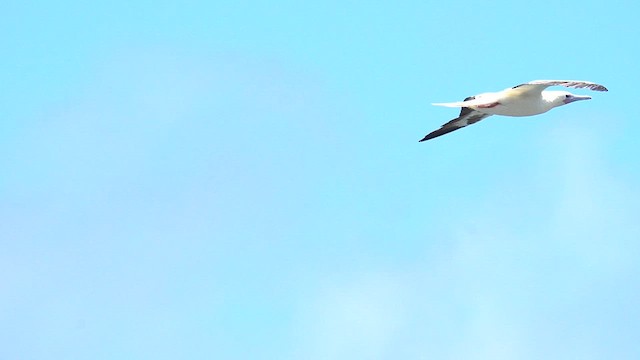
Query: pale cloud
{"points": [[355, 317], [531, 274]]}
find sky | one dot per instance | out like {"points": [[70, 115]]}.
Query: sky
{"points": [[243, 180]]}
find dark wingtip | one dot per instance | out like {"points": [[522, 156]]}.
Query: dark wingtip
{"points": [[428, 137], [442, 131], [597, 87]]}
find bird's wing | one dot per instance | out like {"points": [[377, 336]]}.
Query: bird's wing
{"points": [[539, 85], [467, 117]]}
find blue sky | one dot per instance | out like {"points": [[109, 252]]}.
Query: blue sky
{"points": [[242, 180]]}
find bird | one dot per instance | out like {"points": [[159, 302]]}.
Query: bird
{"points": [[521, 100]]}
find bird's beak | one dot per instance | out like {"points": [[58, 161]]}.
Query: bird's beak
{"points": [[573, 98]]}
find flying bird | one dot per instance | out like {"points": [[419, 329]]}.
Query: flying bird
{"points": [[522, 100]]}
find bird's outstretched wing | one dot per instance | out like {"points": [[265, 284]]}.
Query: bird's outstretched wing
{"points": [[542, 84], [467, 117]]}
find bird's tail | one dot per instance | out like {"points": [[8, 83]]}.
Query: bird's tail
{"points": [[452, 104]]}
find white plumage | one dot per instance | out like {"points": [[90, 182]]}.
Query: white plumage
{"points": [[522, 100]]}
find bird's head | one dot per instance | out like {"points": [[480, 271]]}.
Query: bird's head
{"points": [[560, 98]]}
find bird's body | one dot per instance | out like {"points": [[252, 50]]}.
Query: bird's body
{"points": [[523, 100]]}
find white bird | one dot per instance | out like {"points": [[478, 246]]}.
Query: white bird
{"points": [[522, 100]]}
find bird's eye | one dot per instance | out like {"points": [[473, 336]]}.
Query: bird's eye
{"points": [[567, 96]]}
